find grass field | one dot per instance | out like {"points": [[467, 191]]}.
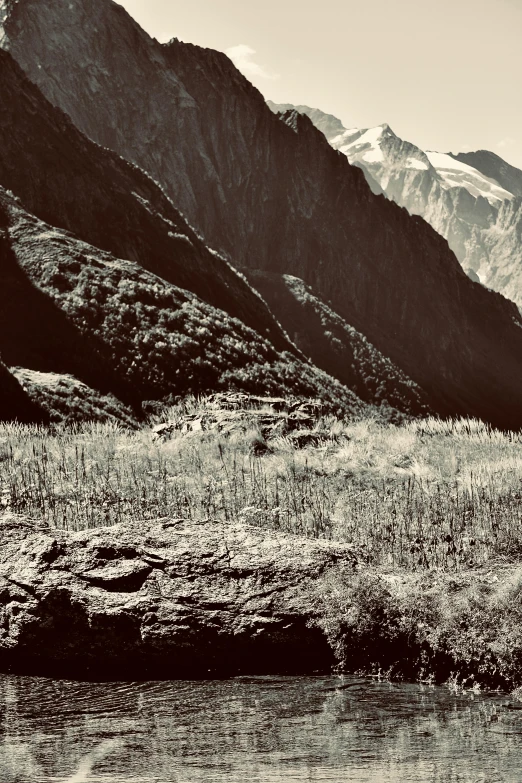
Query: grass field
{"points": [[426, 494]]}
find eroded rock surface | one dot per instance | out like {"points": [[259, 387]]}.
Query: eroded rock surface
{"points": [[167, 599]]}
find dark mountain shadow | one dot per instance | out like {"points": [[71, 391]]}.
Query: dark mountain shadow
{"points": [[37, 335], [15, 404], [70, 182], [335, 346]]}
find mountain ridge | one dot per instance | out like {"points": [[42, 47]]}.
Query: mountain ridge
{"points": [[278, 198], [466, 197]]}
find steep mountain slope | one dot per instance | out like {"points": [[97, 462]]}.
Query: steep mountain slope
{"points": [[70, 182], [15, 403], [502, 267], [68, 308], [472, 199], [335, 346], [272, 193], [119, 207]]}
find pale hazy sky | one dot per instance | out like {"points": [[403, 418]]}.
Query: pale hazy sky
{"points": [[446, 75]]}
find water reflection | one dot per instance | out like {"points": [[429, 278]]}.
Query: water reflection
{"points": [[259, 730]]}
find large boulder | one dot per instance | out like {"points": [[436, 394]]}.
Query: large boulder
{"points": [[163, 599]]}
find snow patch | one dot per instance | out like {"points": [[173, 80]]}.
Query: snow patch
{"points": [[373, 156], [455, 174], [365, 143], [414, 163]]}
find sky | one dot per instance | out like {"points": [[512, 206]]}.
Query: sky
{"points": [[445, 75]]}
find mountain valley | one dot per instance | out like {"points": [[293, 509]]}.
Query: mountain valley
{"points": [[155, 153]]}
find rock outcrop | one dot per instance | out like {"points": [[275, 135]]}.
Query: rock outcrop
{"points": [[165, 599], [171, 599], [271, 193]]}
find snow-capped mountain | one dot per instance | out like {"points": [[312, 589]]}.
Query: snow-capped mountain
{"points": [[380, 147], [473, 199], [509, 177]]}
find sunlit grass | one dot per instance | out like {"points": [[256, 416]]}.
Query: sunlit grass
{"points": [[428, 494]]}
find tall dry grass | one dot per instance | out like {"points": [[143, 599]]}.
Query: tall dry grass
{"points": [[428, 494]]}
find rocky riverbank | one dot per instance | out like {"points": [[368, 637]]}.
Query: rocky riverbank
{"points": [[167, 599], [175, 599]]}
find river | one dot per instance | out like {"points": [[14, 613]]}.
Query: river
{"points": [[255, 730]]}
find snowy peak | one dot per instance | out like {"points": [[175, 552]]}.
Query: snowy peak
{"points": [[456, 174], [380, 151], [494, 167], [380, 148], [368, 145]]}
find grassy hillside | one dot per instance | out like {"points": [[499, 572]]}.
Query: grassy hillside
{"points": [[68, 308], [431, 508]]}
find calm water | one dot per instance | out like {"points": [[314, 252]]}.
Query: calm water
{"points": [[255, 730]]}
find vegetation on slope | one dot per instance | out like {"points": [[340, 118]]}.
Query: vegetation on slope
{"points": [[67, 400], [336, 347], [67, 180], [124, 331], [15, 403]]}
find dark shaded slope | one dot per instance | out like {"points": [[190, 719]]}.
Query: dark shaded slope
{"points": [[72, 183], [69, 308], [335, 346], [34, 332], [15, 404], [272, 193]]}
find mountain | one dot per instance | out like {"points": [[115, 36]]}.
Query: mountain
{"points": [[111, 335], [270, 192], [88, 333], [335, 346], [472, 199]]}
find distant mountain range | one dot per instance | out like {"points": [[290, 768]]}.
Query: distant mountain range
{"points": [[123, 162], [474, 199]]}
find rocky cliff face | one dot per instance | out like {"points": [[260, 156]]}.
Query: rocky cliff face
{"points": [[274, 195], [335, 346], [469, 198], [501, 268]]}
